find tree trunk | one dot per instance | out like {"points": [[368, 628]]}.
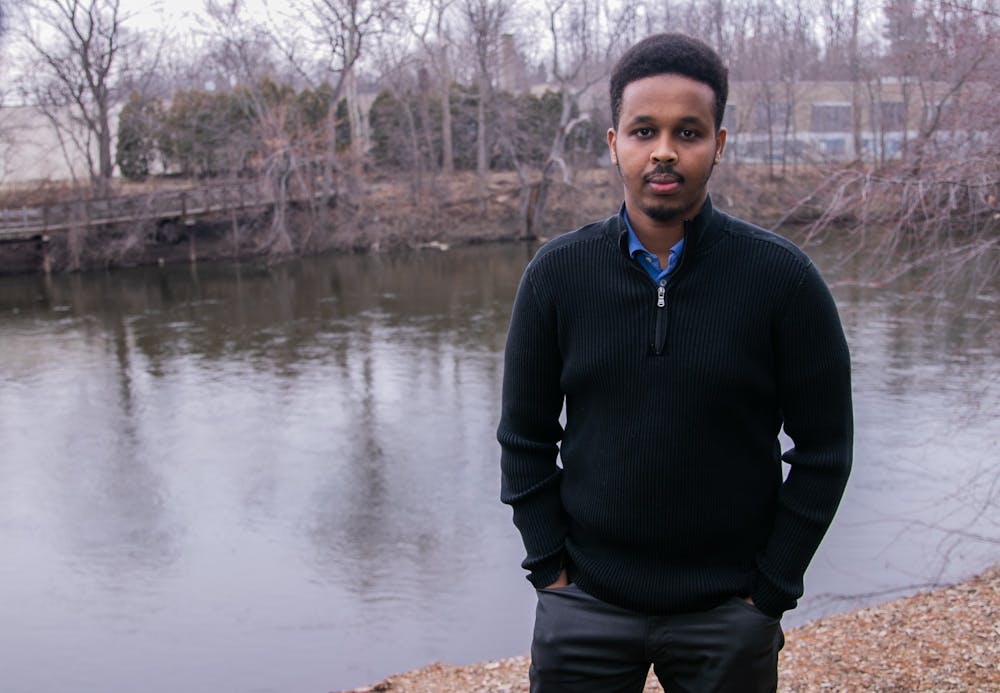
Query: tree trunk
{"points": [[359, 133], [482, 162], [353, 182], [106, 163], [447, 143], [855, 68], [534, 212]]}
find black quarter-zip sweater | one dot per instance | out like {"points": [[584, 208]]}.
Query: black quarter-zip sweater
{"points": [[670, 496]]}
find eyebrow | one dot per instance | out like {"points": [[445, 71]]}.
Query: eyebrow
{"points": [[684, 120]]}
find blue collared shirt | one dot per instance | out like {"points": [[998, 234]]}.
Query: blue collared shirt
{"points": [[648, 260]]}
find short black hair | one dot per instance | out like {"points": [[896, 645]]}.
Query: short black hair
{"points": [[670, 54]]}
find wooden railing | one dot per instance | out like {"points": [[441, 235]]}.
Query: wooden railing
{"points": [[22, 224]]}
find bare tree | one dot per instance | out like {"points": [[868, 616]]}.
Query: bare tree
{"points": [[235, 48], [405, 77], [433, 33], [585, 35], [6, 137], [933, 207], [485, 20], [843, 22], [336, 32], [79, 45]]}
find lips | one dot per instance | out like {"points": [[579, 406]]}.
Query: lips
{"points": [[663, 182]]}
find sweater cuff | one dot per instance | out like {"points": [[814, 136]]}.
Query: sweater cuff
{"points": [[545, 572], [771, 599]]}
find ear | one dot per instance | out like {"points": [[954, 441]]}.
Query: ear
{"points": [[611, 146], [720, 144]]}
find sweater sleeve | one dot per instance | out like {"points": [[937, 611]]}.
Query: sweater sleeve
{"points": [[814, 387], [529, 434]]}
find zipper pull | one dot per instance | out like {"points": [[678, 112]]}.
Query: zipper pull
{"points": [[661, 295]]}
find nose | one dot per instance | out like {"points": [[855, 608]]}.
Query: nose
{"points": [[663, 151]]}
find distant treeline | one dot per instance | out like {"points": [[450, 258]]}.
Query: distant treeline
{"points": [[208, 134]]}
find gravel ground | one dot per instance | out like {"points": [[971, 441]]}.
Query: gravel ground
{"points": [[943, 640]]}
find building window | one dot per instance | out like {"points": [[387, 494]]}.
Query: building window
{"points": [[830, 117], [769, 116], [892, 115], [833, 146]]}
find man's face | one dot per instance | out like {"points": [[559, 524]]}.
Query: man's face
{"points": [[665, 147]]}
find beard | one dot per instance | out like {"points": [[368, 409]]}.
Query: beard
{"points": [[666, 211], [660, 212]]}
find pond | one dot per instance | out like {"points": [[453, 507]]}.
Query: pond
{"points": [[285, 478]]}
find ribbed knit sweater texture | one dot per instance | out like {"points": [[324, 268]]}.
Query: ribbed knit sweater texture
{"points": [[663, 489]]}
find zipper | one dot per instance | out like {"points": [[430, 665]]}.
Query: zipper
{"points": [[660, 331], [661, 317]]}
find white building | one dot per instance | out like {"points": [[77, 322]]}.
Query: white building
{"points": [[33, 150]]}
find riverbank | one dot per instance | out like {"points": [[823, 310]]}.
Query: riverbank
{"points": [[946, 639], [384, 215]]}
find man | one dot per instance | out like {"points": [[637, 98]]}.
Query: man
{"points": [[680, 341]]}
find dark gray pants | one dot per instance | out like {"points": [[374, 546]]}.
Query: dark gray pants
{"points": [[583, 645]]}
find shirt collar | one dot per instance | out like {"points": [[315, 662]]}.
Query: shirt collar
{"points": [[694, 229], [636, 246]]}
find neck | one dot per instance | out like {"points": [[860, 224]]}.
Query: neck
{"points": [[657, 236]]}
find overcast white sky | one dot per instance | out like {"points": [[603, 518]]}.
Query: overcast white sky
{"points": [[183, 13]]}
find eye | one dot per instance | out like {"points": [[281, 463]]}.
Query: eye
{"points": [[643, 133], [688, 134]]}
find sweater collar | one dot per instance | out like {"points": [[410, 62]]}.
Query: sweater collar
{"points": [[696, 230]]}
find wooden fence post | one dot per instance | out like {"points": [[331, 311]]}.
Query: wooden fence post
{"points": [[46, 260]]}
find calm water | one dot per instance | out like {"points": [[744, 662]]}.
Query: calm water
{"points": [[285, 479]]}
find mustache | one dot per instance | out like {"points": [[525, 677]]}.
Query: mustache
{"points": [[664, 170]]}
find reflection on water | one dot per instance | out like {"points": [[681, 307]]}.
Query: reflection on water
{"points": [[285, 478], [922, 504]]}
